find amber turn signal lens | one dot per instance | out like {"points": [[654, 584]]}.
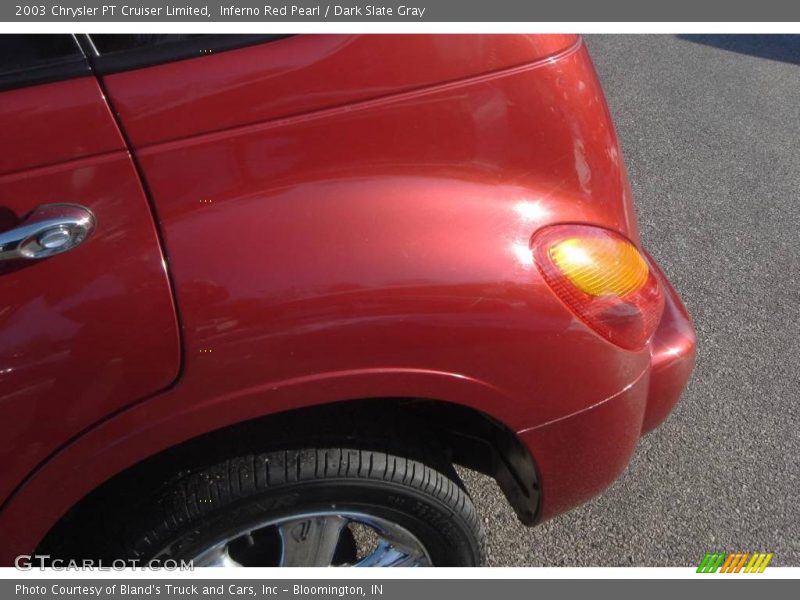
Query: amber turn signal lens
{"points": [[600, 266], [603, 278]]}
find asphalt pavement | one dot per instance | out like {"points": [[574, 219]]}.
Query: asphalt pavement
{"points": [[710, 130]]}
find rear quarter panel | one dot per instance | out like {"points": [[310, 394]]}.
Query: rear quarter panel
{"points": [[371, 248], [394, 233]]}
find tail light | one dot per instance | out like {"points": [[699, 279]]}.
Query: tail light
{"points": [[603, 279]]}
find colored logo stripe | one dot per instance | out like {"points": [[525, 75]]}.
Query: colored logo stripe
{"points": [[758, 563], [711, 562], [734, 563]]}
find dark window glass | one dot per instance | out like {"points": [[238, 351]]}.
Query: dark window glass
{"points": [[121, 52], [112, 42], [19, 52], [31, 58]]}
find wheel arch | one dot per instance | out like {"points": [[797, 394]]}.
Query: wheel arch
{"points": [[455, 433], [159, 423]]}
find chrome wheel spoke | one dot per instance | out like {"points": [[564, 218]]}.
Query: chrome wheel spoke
{"points": [[388, 555], [217, 556], [310, 541]]}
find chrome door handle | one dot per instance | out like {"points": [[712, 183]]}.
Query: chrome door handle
{"points": [[50, 229]]}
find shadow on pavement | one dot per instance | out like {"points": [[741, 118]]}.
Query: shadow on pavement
{"points": [[784, 48]]}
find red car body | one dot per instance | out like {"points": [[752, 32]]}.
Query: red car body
{"points": [[309, 221]]}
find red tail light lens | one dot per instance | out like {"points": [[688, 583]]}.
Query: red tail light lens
{"points": [[603, 279]]}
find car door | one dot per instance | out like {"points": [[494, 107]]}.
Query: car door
{"points": [[87, 321]]}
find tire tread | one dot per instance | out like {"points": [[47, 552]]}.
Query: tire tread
{"points": [[195, 495]]}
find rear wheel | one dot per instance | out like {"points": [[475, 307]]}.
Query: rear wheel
{"points": [[311, 507]]}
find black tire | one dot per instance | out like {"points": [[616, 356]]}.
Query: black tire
{"points": [[197, 509]]}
